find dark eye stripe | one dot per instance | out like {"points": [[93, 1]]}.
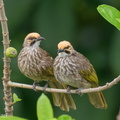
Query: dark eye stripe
{"points": [[32, 43], [68, 52]]}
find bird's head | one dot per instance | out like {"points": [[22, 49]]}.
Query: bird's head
{"points": [[65, 48], [32, 39]]}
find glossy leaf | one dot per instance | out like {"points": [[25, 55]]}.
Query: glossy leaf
{"points": [[44, 108], [111, 14]]}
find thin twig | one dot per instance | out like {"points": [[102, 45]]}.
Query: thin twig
{"points": [[100, 88], [118, 116], [6, 71]]}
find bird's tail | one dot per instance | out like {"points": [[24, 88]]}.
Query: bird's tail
{"points": [[63, 100], [97, 100]]}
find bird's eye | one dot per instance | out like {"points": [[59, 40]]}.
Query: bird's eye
{"points": [[31, 38], [67, 47]]}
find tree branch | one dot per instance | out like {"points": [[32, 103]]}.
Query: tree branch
{"points": [[100, 88], [6, 60]]}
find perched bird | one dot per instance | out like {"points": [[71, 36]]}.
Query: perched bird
{"points": [[73, 69], [36, 64]]}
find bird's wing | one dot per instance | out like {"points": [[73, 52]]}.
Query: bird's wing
{"points": [[86, 69], [47, 64], [90, 75]]}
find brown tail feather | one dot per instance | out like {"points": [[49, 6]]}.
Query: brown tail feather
{"points": [[97, 100], [64, 101], [70, 101]]}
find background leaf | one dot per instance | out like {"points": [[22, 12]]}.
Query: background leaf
{"points": [[111, 14], [11, 118], [44, 108], [65, 117]]}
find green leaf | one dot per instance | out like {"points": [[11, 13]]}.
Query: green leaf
{"points": [[15, 98], [118, 19], [44, 108], [65, 117], [53, 119], [11, 118], [111, 14]]}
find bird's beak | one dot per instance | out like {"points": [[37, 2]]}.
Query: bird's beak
{"points": [[60, 50], [40, 38]]}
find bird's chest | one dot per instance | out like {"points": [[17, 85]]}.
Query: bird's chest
{"points": [[67, 72], [32, 65]]}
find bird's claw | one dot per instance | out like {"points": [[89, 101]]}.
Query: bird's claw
{"points": [[34, 85], [69, 90], [46, 85], [79, 91]]}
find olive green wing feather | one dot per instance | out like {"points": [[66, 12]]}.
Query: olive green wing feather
{"points": [[86, 69], [90, 75]]}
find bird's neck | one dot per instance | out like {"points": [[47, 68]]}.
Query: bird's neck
{"points": [[36, 44], [63, 54]]}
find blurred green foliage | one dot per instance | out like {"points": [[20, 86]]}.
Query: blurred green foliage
{"points": [[78, 22]]}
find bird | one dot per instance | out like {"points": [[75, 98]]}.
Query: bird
{"points": [[74, 70], [36, 64]]}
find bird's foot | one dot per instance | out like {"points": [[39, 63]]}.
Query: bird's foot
{"points": [[79, 91], [34, 85], [68, 90], [46, 85]]}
